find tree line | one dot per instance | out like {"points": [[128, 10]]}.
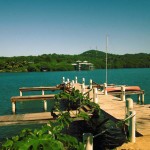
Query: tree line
{"points": [[61, 62]]}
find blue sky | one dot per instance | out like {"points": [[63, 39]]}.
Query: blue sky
{"points": [[35, 27]]}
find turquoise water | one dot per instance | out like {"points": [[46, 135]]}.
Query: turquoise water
{"points": [[11, 82]]}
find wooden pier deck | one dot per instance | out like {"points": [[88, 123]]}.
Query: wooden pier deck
{"points": [[115, 109]]}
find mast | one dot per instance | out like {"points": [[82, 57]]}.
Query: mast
{"points": [[106, 57]]}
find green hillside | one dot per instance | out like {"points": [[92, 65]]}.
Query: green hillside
{"points": [[61, 62]]}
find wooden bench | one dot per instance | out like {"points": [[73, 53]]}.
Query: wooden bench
{"points": [[41, 88], [139, 93], [15, 99]]}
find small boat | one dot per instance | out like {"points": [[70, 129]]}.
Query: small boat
{"points": [[127, 88]]}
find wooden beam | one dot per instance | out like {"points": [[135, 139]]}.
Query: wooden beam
{"points": [[33, 97]]}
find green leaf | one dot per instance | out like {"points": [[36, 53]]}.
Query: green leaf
{"points": [[8, 144]]}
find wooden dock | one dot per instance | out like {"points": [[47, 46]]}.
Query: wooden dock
{"points": [[41, 88], [30, 118], [114, 107], [110, 104]]}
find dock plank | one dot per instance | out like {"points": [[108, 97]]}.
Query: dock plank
{"points": [[32, 97], [25, 118], [45, 88]]}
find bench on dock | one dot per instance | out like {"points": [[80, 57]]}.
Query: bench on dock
{"points": [[139, 93], [62, 86], [41, 88], [15, 99]]}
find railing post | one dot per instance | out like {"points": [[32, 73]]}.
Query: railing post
{"points": [[68, 80], [14, 107], [72, 83], [45, 102], [45, 105], [88, 140], [95, 98], [43, 92], [129, 106], [76, 80], [83, 80], [20, 93], [123, 93], [143, 98], [83, 88], [139, 99], [132, 123], [105, 88], [63, 79], [90, 83]]}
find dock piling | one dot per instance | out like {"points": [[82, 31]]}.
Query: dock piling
{"points": [[76, 80], [90, 83], [139, 98], [63, 79], [13, 107], [83, 80], [43, 92], [105, 88], [44, 101], [20, 93], [83, 88], [129, 106], [143, 98], [72, 83], [95, 98], [123, 93], [68, 80], [132, 126], [45, 105]]}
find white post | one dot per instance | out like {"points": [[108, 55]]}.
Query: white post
{"points": [[45, 105], [90, 83], [129, 106], [139, 99], [105, 90], [72, 83], [67, 80], [143, 98], [132, 126], [45, 102], [13, 107], [88, 140], [83, 88], [95, 98], [43, 92], [63, 79], [20, 93], [76, 80], [123, 93], [83, 80]]}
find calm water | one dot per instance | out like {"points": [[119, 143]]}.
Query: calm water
{"points": [[11, 82]]}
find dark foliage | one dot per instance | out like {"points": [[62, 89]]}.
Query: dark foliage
{"points": [[60, 62]]}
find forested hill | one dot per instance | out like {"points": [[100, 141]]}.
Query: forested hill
{"points": [[61, 62]]}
